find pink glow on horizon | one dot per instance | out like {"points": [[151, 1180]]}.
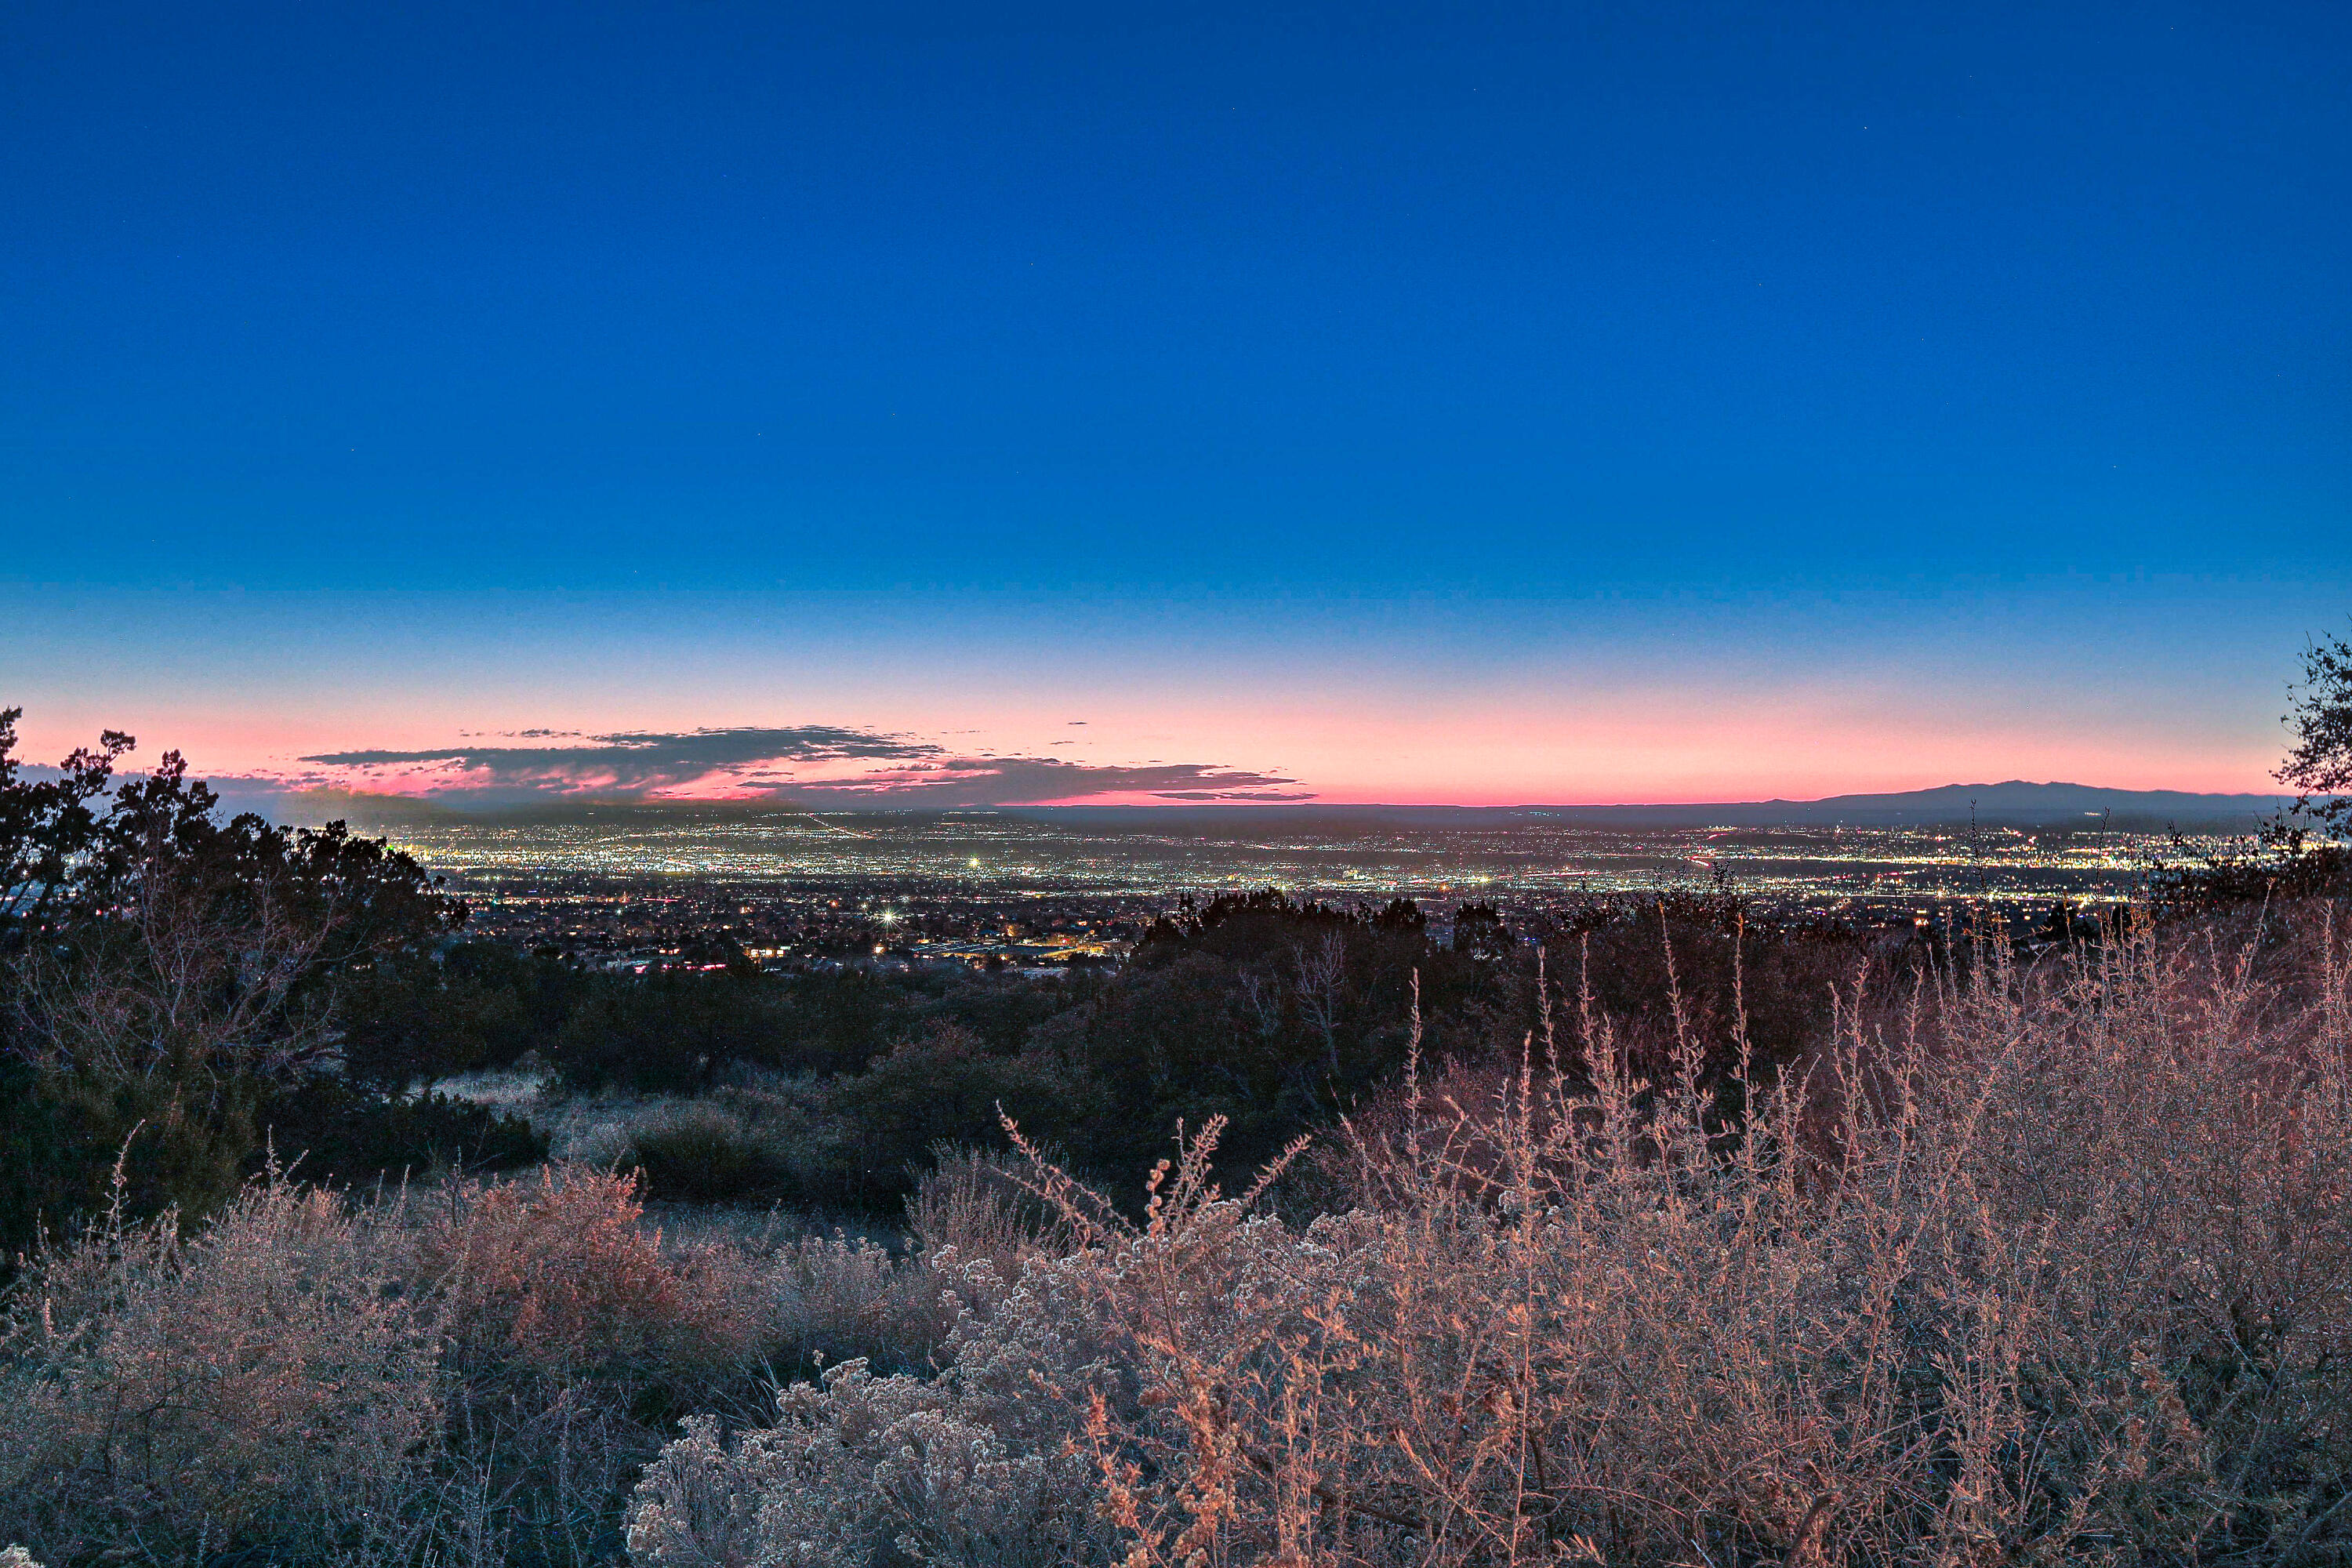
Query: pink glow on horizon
{"points": [[1356, 742], [1442, 702]]}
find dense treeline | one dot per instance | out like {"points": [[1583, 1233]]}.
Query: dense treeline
{"points": [[831, 1088], [1271, 1014]]}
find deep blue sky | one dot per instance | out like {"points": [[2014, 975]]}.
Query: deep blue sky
{"points": [[1584, 313]]}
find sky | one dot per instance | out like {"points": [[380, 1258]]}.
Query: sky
{"points": [[955, 404]]}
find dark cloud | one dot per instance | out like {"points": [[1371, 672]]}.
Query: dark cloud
{"points": [[1260, 796], [815, 764], [1012, 780], [632, 761]]}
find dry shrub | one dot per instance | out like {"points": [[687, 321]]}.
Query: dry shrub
{"points": [[555, 1275], [836, 1297], [977, 1202], [974, 1466], [757, 1141], [308, 1380], [269, 1381], [576, 1336], [322, 1382], [2064, 1274]]}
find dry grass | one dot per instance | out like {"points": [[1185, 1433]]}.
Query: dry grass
{"points": [[2060, 1271], [977, 1204], [517, 1090], [2036, 1264], [271, 1380], [468, 1376]]}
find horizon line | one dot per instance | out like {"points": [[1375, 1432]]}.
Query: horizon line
{"points": [[446, 803]]}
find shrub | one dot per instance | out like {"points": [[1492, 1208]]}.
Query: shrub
{"points": [[835, 1298], [268, 1381], [574, 1337], [776, 1142], [944, 1085], [335, 1133], [2063, 1270], [978, 1204], [178, 1146], [555, 1276], [477, 1380], [978, 1467], [701, 1154]]}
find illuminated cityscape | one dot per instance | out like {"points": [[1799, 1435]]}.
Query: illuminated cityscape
{"points": [[1030, 890]]}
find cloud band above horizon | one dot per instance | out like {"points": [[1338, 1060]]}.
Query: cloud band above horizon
{"points": [[808, 765]]}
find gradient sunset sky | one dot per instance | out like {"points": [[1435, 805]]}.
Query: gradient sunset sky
{"points": [[946, 404]]}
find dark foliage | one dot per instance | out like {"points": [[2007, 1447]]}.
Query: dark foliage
{"points": [[2193, 884], [414, 1016], [1709, 957], [946, 1086], [710, 1162], [334, 1133], [674, 1031], [667, 1033], [839, 1021], [2320, 763], [166, 973], [63, 1137], [1277, 1015]]}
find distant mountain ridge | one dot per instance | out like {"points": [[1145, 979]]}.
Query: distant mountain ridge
{"points": [[2015, 803], [2011, 804]]}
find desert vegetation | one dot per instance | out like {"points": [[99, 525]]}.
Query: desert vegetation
{"points": [[2032, 1261], [1659, 1235], [2054, 1271]]}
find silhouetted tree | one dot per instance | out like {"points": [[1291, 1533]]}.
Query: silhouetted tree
{"points": [[2321, 716], [1479, 931], [46, 825], [165, 972]]}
